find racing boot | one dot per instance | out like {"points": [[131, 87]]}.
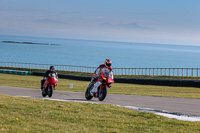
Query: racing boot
{"points": [[42, 84]]}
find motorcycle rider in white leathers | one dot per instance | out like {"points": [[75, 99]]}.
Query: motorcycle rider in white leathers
{"points": [[103, 68]]}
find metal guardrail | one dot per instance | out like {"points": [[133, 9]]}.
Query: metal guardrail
{"points": [[185, 72]]}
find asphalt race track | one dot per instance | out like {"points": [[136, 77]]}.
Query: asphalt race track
{"points": [[176, 106]]}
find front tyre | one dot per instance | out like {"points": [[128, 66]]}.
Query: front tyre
{"points": [[50, 91], [102, 93], [44, 94], [87, 93]]}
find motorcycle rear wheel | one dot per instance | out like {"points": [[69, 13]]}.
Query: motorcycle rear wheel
{"points": [[50, 91], [102, 94]]}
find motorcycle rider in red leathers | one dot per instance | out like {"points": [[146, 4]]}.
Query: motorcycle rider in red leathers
{"points": [[51, 70], [103, 68]]}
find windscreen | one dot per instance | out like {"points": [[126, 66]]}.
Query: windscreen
{"points": [[107, 75], [52, 75]]}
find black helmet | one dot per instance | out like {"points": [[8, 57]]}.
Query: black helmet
{"points": [[108, 63], [52, 68]]}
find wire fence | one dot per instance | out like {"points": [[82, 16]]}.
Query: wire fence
{"points": [[185, 72]]}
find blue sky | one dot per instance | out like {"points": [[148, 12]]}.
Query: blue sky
{"points": [[150, 21]]}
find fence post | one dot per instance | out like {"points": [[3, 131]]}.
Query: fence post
{"points": [[146, 72], [139, 72], [135, 71], [192, 72], [157, 71], [153, 71], [149, 71], [142, 71], [178, 72], [182, 72]]}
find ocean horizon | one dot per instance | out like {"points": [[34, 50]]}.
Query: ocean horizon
{"points": [[92, 53]]}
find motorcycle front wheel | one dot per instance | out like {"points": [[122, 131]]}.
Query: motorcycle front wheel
{"points": [[87, 93], [102, 93], [50, 91], [44, 94]]}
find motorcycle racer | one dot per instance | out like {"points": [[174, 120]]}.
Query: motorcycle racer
{"points": [[103, 68], [51, 70]]}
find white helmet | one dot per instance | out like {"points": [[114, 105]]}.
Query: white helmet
{"points": [[108, 63]]}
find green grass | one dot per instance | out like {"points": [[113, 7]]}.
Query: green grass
{"points": [[20, 115], [117, 88]]}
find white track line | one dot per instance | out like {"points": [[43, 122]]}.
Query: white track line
{"points": [[158, 112]]}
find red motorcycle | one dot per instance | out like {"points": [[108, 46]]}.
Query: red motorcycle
{"points": [[106, 80], [49, 85]]}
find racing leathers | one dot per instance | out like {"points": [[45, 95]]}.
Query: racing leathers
{"points": [[101, 69]]}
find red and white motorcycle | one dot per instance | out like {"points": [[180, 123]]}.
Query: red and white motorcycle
{"points": [[49, 85], [106, 80]]}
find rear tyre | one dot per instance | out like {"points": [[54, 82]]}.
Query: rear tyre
{"points": [[102, 94], [50, 91], [87, 93]]}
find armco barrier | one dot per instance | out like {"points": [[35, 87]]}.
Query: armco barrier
{"points": [[162, 82], [18, 72]]}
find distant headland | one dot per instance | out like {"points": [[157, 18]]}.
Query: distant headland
{"points": [[28, 43]]}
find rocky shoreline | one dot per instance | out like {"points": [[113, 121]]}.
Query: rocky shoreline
{"points": [[28, 43]]}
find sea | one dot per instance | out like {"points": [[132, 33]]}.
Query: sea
{"points": [[92, 53]]}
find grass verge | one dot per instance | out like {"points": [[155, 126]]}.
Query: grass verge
{"points": [[35, 115], [117, 88]]}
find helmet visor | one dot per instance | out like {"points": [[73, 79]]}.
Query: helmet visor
{"points": [[108, 64]]}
